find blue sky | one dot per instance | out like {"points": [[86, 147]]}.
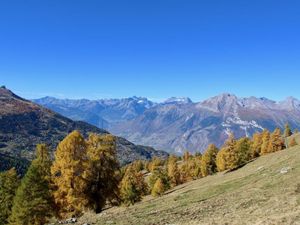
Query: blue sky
{"points": [[152, 48]]}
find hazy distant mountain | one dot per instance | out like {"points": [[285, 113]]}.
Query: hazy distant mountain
{"points": [[101, 113], [23, 124], [179, 124]]}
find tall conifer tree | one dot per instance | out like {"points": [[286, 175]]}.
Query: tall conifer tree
{"points": [[256, 144], [265, 142], [9, 183], [287, 131], [208, 164], [276, 141], [33, 203], [103, 167], [133, 186], [70, 176]]}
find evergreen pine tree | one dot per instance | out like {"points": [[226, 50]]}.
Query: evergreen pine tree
{"points": [[208, 164], [70, 177], [33, 203], [43, 160], [9, 183], [103, 167], [287, 132]]}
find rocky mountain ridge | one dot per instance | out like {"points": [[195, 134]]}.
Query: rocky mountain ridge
{"points": [[178, 124]]}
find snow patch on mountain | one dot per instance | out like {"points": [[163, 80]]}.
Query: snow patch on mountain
{"points": [[243, 123]]}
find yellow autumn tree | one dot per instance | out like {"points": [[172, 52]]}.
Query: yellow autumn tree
{"points": [[103, 170], [242, 152], [155, 163], [276, 142], [292, 142], [256, 145], [208, 163], [226, 156], [69, 176], [265, 142], [186, 156], [287, 131], [194, 166], [173, 171], [132, 186], [158, 188]]}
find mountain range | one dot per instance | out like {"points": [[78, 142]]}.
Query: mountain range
{"points": [[23, 124], [178, 124]]}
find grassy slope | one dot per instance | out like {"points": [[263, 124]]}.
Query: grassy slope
{"points": [[255, 194]]}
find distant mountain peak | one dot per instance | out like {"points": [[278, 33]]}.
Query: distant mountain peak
{"points": [[182, 100], [8, 94], [222, 102], [4, 92], [290, 103], [177, 123]]}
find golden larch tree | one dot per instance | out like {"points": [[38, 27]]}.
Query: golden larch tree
{"points": [[265, 142], [69, 176], [256, 145], [103, 170], [158, 188], [226, 156], [276, 141], [292, 142], [132, 186], [208, 163], [173, 171]]}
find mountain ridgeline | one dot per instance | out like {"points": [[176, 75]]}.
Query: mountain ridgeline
{"points": [[178, 124], [24, 124]]}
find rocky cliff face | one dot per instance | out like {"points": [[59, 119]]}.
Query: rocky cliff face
{"points": [[178, 124]]}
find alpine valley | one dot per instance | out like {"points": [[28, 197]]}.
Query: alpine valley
{"points": [[178, 124]]}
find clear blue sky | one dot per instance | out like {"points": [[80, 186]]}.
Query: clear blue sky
{"points": [[152, 48]]}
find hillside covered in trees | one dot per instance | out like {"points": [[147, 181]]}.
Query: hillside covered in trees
{"points": [[265, 191], [85, 175], [24, 124]]}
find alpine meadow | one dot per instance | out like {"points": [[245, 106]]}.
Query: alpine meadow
{"points": [[150, 112]]}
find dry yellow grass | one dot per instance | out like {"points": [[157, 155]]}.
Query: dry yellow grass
{"points": [[258, 193]]}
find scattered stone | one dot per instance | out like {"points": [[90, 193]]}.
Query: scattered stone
{"points": [[260, 168], [285, 170], [68, 221]]}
